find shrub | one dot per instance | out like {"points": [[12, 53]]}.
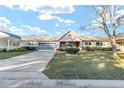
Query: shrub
{"points": [[24, 49], [105, 49], [72, 50], [90, 48], [20, 49], [98, 48], [3, 50], [61, 49], [30, 48]]}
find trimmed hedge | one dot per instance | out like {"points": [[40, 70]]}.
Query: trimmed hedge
{"points": [[105, 49], [3, 50], [90, 48], [22, 49], [61, 49], [72, 50], [98, 49], [25, 49]]}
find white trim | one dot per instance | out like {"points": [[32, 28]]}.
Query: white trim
{"points": [[8, 44]]}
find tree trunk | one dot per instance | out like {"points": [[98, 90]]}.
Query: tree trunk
{"points": [[114, 51]]}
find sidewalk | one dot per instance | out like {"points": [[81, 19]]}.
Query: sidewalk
{"points": [[40, 83]]}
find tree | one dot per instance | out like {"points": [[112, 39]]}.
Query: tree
{"points": [[109, 18]]}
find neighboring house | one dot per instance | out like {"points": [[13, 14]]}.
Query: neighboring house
{"points": [[70, 39], [9, 41], [120, 41]]}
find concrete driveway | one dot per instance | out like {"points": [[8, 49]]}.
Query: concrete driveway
{"points": [[20, 68]]}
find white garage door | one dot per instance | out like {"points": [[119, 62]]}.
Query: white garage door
{"points": [[46, 46]]}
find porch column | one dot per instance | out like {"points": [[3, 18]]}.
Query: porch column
{"points": [[81, 45], [57, 45], [8, 44]]}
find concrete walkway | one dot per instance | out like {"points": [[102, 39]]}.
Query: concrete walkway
{"points": [[28, 66]]}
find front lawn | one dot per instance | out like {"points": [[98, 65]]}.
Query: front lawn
{"points": [[4, 55], [86, 65]]}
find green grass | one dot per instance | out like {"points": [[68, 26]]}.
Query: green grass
{"points": [[86, 65], [4, 55], [121, 55]]}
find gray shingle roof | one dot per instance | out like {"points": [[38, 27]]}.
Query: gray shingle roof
{"points": [[56, 38], [94, 38], [40, 38], [11, 35], [120, 36]]}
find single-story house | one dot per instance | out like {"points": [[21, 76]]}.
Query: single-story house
{"points": [[70, 39], [9, 41]]}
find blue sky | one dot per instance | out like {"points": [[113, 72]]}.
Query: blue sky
{"points": [[47, 20]]}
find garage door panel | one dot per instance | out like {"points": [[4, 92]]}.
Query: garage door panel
{"points": [[48, 46]]}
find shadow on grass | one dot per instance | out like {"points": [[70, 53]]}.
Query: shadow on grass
{"points": [[91, 65]]}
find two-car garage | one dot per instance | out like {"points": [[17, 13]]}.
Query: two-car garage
{"points": [[46, 45], [42, 42]]}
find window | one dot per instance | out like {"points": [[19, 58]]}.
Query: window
{"points": [[98, 43], [87, 43], [15, 44]]}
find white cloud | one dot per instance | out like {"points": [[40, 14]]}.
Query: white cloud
{"points": [[56, 25], [61, 9], [69, 22], [47, 16], [64, 30], [5, 25], [16, 30], [48, 12], [58, 33], [61, 32], [34, 29], [4, 22]]}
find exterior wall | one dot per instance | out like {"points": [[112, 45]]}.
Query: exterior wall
{"points": [[3, 44], [28, 44], [106, 44], [88, 44], [9, 43], [94, 44], [120, 45]]}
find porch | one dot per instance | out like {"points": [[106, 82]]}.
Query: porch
{"points": [[9, 43], [69, 44]]}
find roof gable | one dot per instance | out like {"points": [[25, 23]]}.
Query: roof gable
{"points": [[70, 36]]}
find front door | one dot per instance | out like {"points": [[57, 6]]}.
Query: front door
{"points": [[77, 44]]}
